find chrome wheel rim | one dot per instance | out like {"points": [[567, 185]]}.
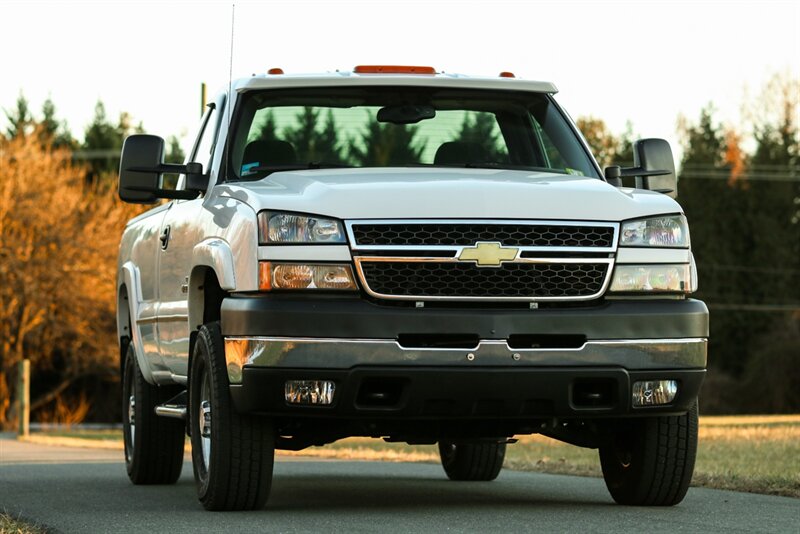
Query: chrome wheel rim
{"points": [[205, 421], [131, 420]]}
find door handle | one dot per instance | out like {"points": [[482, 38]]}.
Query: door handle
{"points": [[164, 238]]}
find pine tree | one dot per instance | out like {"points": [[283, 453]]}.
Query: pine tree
{"points": [[386, 145], [304, 137], [20, 119], [103, 141], [175, 153], [330, 146], [481, 128], [624, 150], [721, 238], [267, 131], [773, 262], [51, 131], [313, 144]]}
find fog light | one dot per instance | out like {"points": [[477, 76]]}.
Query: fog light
{"points": [[654, 392], [318, 392]]}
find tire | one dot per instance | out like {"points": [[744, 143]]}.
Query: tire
{"points": [[153, 444], [651, 460], [472, 461], [232, 460]]}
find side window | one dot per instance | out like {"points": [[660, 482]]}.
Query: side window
{"points": [[204, 144], [559, 142], [203, 147], [554, 159]]}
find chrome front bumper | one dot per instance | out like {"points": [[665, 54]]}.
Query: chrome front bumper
{"points": [[336, 353]]}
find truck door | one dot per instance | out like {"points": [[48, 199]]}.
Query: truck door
{"points": [[183, 226], [144, 254]]}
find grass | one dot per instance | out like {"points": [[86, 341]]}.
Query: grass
{"points": [[12, 525], [757, 454]]}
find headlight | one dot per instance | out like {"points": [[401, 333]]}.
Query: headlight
{"points": [[277, 228], [305, 276], [654, 278], [669, 231]]}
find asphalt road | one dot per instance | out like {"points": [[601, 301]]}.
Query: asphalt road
{"points": [[86, 490]]}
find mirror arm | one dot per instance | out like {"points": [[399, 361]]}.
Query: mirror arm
{"points": [[638, 171], [194, 176], [612, 175], [172, 194], [164, 168]]}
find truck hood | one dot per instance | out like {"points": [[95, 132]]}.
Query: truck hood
{"points": [[403, 193]]}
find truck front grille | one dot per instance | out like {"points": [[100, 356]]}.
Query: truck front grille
{"points": [[455, 234], [483, 259], [432, 279]]}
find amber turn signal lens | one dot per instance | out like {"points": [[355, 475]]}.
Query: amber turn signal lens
{"points": [[273, 276], [264, 276]]}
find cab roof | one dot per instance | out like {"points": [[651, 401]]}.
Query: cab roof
{"points": [[372, 75]]}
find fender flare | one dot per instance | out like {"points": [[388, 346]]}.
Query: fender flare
{"points": [[214, 254], [129, 277]]}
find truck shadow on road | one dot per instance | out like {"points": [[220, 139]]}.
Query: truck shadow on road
{"points": [[360, 491]]}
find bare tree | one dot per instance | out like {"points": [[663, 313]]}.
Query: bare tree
{"points": [[58, 242]]}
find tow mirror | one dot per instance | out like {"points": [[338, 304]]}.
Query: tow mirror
{"points": [[654, 158], [141, 167], [654, 168]]}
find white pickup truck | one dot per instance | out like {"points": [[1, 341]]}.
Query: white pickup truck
{"points": [[404, 254]]}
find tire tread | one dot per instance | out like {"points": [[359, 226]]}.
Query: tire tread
{"points": [[666, 457], [158, 455], [472, 461], [240, 480]]}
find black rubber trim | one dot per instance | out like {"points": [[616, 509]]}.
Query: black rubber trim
{"points": [[446, 393], [353, 317]]}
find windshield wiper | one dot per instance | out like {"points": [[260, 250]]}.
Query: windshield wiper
{"points": [[504, 166], [269, 169]]}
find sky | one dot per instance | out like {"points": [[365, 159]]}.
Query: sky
{"points": [[642, 61]]}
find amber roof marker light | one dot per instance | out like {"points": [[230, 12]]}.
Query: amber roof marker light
{"points": [[506, 74], [393, 69], [275, 70]]}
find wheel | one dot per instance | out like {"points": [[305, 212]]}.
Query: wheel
{"points": [[153, 444], [232, 453], [650, 461], [472, 461]]}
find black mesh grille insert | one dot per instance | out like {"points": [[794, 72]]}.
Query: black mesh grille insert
{"points": [[510, 235], [433, 279]]}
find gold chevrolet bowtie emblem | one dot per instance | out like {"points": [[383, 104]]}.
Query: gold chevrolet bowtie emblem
{"points": [[488, 254]]}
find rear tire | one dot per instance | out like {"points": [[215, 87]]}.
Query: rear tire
{"points": [[651, 460], [232, 453], [472, 461], [153, 444]]}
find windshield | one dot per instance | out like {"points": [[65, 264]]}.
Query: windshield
{"points": [[330, 127]]}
